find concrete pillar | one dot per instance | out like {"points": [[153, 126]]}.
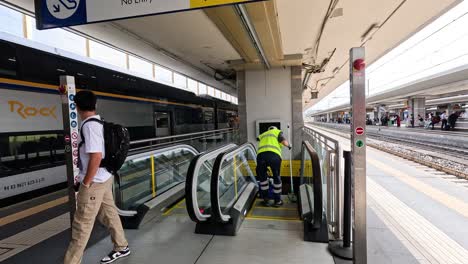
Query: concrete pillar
{"points": [[297, 110], [267, 96], [449, 109], [417, 107], [242, 106]]}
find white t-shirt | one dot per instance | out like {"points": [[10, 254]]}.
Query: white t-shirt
{"points": [[93, 133]]}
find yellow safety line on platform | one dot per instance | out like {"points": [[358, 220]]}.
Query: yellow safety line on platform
{"points": [[153, 178], [172, 208], [32, 211], [433, 245], [449, 201]]}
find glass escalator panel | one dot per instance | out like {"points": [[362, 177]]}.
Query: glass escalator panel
{"points": [[203, 187], [236, 170], [146, 175], [198, 187]]}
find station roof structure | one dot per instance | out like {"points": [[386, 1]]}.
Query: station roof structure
{"points": [[272, 33]]}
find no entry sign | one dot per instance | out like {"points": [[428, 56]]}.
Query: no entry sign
{"points": [[359, 131]]}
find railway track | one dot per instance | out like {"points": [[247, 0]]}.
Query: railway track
{"points": [[462, 158], [457, 153]]}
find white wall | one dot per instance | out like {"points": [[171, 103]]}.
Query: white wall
{"points": [[268, 96]]}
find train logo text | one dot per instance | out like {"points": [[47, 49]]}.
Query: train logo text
{"points": [[28, 111]]}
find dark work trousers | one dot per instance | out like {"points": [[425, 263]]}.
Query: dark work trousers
{"points": [[272, 160], [444, 124]]}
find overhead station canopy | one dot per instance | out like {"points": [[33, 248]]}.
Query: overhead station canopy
{"points": [[219, 40]]}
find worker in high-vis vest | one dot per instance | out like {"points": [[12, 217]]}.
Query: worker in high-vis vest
{"points": [[269, 155]]}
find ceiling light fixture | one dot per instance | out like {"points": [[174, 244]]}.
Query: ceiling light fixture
{"points": [[242, 12]]}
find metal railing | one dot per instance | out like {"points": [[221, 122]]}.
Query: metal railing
{"points": [[200, 140], [330, 154]]}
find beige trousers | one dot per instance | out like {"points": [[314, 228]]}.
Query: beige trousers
{"points": [[97, 200]]}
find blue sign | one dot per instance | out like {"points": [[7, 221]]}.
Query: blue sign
{"points": [[72, 106], [72, 97], [65, 13], [73, 124], [73, 115]]}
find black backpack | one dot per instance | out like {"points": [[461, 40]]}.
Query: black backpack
{"points": [[116, 145]]}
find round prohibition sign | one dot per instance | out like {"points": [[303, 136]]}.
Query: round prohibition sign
{"points": [[359, 131]]}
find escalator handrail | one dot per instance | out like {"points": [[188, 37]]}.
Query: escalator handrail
{"points": [[317, 183], [161, 150], [192, 181], [217, 214], [146, 154]]}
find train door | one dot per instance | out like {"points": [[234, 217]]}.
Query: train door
{"points": [[162, 124]]}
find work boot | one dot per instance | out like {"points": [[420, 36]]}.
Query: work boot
{"points": [[266, 203], [278, 203]]}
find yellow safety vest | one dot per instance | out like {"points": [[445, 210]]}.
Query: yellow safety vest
{"points": [[269, 142]]}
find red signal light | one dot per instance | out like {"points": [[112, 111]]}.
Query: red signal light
{"points": [[62, 89], [359, 65]]}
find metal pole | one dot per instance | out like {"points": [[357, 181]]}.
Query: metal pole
{"points": [[70, 128], [358, 150]]}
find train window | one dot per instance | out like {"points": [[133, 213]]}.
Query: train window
{"points": [[222, 116], [8, 60], [28, 152], [208, 116], [37, 66], [85, 74]]}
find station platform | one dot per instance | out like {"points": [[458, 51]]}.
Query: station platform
{"points": [[415, 214]]}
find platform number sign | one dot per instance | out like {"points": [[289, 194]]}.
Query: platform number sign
{"points": [[65, 13]]}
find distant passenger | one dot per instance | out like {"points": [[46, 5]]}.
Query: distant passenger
{"points": [[435, 120], [421, 120], [452, 120], [94, 197], [269, 155], [443, 117]]}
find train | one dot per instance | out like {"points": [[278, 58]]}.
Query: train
{"points": [[31, 126]]}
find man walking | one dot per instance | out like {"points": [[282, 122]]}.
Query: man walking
{"points": [[269, 155], [443, 117], [94, 197]]}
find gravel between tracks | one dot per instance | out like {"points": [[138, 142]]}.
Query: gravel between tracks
{"points": [[415, 154]]}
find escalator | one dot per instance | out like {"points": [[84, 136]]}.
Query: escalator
{"points": [[150, 182], [234, 189]]}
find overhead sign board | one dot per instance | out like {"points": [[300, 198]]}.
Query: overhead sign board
{"points": [[64, 13]]}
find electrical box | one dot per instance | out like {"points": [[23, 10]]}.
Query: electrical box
{"points": [[263, 125]]}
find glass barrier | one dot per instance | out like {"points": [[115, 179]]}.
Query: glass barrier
{"points": [[233, 170], [199, 183], [146, 175], [331, 164]]}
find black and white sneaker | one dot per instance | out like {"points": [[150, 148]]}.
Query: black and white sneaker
{"points": [[115, 255]]}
